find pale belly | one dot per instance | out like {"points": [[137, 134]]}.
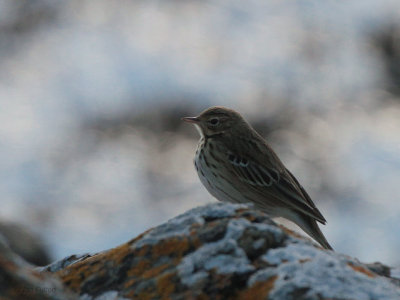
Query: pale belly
{"points": [[216, 185]]}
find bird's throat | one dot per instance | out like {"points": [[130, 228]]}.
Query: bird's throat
{"points": [[199, 130]]}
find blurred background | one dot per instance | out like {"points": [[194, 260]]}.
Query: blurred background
{"points": [[93, 151]]}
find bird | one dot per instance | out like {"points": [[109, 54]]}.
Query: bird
{"points": [[237, 165]]}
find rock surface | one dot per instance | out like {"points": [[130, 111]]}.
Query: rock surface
{"points": [[223, 251], [19, 280], [25, 243]]}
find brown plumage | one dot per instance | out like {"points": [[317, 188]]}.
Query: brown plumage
{"points": [[237, 165]]}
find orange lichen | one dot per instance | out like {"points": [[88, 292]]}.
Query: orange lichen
{"points": [[361, 269], [139, 268], [176, 246], [74, 277], [118, 254], [145, 295], [165, 285], [259, 290], [153, 272], [129, 283]]}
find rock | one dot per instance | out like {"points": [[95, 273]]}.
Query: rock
{"points": [[25, 243], [223, 251], [18, 279], [61, 264]]}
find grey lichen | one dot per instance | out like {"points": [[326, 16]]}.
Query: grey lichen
{"points": [[315, 272]]}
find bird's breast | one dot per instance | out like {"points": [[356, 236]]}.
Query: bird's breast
{"points": [[209, 164]]}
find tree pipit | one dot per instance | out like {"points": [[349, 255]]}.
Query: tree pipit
{"points": [[237, 165]]}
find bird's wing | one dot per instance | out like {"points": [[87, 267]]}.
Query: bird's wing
{"points": [[307, 197], [268, 181]]}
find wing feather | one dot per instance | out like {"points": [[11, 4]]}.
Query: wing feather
{"points": [[267, 181]]}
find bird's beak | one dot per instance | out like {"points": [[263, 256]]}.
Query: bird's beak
{"points": [[191, 119]]}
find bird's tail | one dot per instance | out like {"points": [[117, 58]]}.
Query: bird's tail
{"points": [[310, 226]]}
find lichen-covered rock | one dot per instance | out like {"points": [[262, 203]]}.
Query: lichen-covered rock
{"points": [[223, 251], [61, 264], [19, 280], [25, 243]]}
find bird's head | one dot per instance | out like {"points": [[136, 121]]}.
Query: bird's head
{"points": [[216, 120]]}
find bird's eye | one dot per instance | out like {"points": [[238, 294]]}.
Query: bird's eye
{"points": [[213, 121]]}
